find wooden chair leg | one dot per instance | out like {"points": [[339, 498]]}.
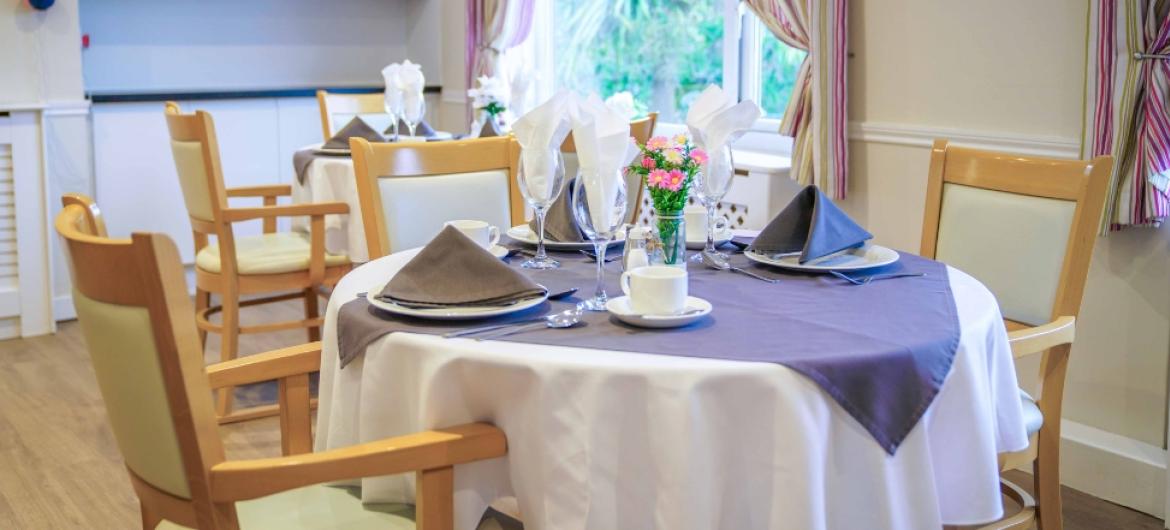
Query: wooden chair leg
{"points": [[202, 302], [150, 521], [229, 346], [311, 312], [434, 503], [1046, 473]]}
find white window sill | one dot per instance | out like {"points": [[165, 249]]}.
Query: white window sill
{"points": [[752, 161]]}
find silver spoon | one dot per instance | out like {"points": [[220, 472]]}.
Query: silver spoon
{"points": [[564, 319], [718, 264], [565, 315]]}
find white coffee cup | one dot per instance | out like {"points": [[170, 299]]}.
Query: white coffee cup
{"points": [[696, 219], [656, 290], [484, 234]]}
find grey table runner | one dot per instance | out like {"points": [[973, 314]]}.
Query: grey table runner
{"points": [[881, 350]]}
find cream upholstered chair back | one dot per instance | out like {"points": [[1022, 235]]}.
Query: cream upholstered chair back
{"points": [[337, 109], [1025, 227], [641, 129], [408, 190], [196, 154], [135, 315]]}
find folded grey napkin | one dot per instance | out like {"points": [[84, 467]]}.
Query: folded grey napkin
{"points": [[355, 128], [490, 128], [559, 223], [812, 225], [452, 270], [301, 161], [422, 129]]}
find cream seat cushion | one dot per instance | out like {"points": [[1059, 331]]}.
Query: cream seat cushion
{"points": [[1033, 418], [267, 254], [321, 507]]}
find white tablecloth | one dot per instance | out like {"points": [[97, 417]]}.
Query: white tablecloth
{"points": [[331, 179], [612, 440]]}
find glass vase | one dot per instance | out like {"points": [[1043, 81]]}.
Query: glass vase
{"points": [[670, 234]]}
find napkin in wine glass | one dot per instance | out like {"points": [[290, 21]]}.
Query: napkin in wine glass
{"points": [[812, 225], [356, 128], [452, 270], [559, 223], [604, 147], [715, 119]]}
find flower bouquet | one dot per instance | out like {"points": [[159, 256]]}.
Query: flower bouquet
{"points": [[668, 167], [490, 101]]}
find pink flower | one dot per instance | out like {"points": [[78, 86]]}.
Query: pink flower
{"points": [[675, 180], [699, 156], [657, 142], [648, 162], [673, 156], [657, 178]]}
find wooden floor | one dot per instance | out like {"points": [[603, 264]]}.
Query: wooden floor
{"points": [[60, 468]]}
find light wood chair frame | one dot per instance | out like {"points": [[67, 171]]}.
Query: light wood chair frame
{"points": [[641, 129], [144, 271], [417, 159], [1085, 183], [228, 283], [329, 104]]}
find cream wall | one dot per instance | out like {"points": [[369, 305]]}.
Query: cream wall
{"points": [[41, 54], [1015, 69]]}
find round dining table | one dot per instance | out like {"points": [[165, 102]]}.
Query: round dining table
{"points": [[608, 440]]}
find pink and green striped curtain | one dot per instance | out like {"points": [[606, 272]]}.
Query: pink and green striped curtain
{"points": [[815, 117], [493, 26], [1127, 110]]}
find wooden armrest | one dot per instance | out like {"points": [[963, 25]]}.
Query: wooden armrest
{"points": [[273, 190], [439, 448], [1029, 341], [267, 366], [233, 215]]}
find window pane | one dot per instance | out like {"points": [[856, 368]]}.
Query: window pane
{"points": [[779, 65], [663, 51]]}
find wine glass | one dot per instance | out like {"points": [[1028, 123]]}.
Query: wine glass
{"points": [[541, 184], [393, 105], [600, 224], [413, 109], [712, 183]]}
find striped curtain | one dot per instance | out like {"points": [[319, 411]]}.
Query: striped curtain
{"points": [[815, 117], [493, 26], [1127, 113]]}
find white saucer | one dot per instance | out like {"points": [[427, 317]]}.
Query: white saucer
{"points": [[498, 251], [855, 259], [620, 308], [720, 238], [525, 235], [451, 313]]}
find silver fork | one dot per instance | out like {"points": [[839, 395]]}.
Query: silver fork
{"points": [[867, 279]]}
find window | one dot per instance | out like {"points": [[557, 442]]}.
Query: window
{"points": [[664, 52]]}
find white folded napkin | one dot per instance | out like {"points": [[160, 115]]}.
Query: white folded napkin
{"points": [[411, 81], [623, 104], [604, 147], [540, 132], [393, 91], [715, 119]]}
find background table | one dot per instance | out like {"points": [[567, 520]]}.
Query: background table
{"points": [[604, 440], [331, 179]]}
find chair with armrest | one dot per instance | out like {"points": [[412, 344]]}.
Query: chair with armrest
{"points": [[273, 262], [406, 191], [135, 315], [1025, 227], [641, 129]]}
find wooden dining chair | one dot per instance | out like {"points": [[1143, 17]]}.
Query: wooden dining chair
{"points": [[407, 191], [1025, 227], [332, 105], [273, 262], [641, 129], [135, 315]]}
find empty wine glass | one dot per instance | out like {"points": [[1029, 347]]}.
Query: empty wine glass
{"points": [[392, 102], [599, 211], [541, 184], [413, 109], [712, 183]]}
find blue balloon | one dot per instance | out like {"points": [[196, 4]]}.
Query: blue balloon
{"points": [[41, 4]]}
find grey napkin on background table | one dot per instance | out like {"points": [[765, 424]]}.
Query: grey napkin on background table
{"points": [[812, 225], [490, 128], [301, 161], [421, 129], [355, 128], [559, 223], [452, 270]]}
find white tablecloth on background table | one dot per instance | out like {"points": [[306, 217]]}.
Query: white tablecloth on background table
{"points": [[331, 179], [614, 440]]}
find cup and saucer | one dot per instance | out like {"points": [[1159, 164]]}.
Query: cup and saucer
{"points": [[656, 297], [483, 233]]}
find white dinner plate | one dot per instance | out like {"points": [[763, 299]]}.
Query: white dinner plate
{"points": [[722, 237], [331, 152], [855, 259], [452, 313], [525, 235], [696, 308], [498, 251]]}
